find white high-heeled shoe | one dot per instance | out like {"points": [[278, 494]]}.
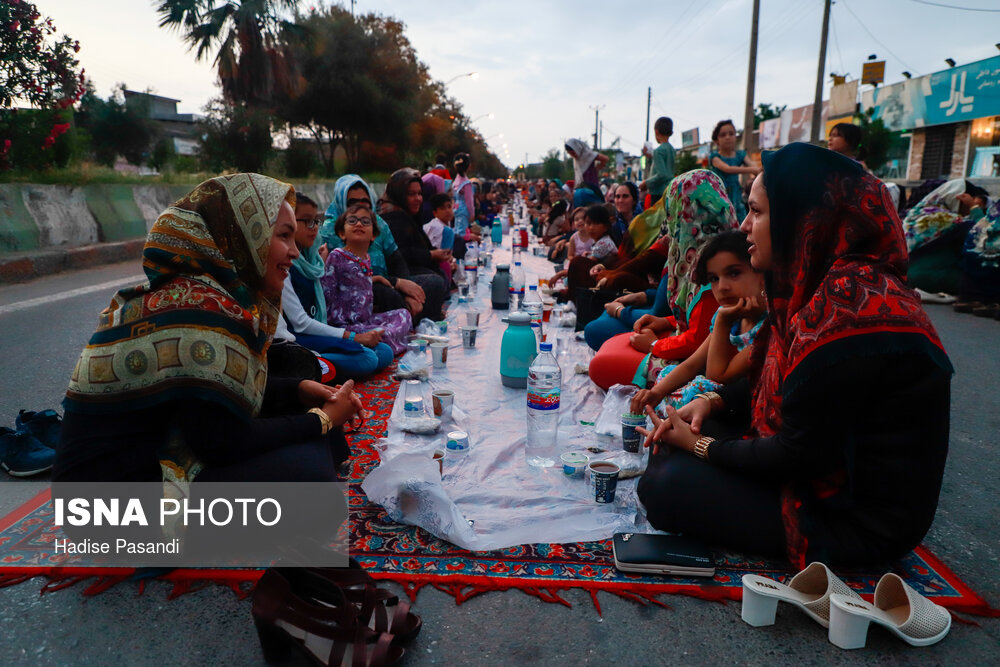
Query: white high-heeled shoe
{"points": [[907, 614], [809, 590]]}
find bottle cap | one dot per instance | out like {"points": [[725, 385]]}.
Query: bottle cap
{"points": [[517, 263], [532, 287], [545, 347]]}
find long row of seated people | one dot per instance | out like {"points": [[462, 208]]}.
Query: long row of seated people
{"points": [[175, 383], [760, 346]]}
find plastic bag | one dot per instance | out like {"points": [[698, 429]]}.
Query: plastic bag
{"points": [[427, 327], [413, 366], [409, 487], [616, 403]]}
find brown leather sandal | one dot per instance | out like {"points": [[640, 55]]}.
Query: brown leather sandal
{"points": [[378, 608], [329, 634]]}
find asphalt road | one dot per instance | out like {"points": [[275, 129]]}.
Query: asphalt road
{"points": [[43, 326]]}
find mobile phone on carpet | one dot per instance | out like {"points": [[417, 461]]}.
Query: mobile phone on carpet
{"points": [[677, 555]]}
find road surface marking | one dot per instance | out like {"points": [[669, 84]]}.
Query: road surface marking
{"points": [[61, 296]]}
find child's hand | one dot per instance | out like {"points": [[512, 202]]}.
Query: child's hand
{"points": [[748, 308]]}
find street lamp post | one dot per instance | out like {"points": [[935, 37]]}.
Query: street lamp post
{"points": [[472, 75]]}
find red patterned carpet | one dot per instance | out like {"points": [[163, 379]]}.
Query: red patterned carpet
{"points": [[415, 559]]}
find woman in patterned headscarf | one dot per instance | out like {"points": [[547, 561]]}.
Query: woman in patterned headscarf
{"points": [[848, 404], [628, 335], [174, 381]]}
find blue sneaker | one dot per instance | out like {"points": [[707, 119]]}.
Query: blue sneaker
{"points": [[22, 455], [46, 425]]}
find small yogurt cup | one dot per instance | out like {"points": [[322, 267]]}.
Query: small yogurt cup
{"points": [[574, 463]]}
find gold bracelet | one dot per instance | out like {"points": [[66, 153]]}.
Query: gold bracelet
{"points": [[701, 446], [621, 307], [324, 419], [709, 396]]}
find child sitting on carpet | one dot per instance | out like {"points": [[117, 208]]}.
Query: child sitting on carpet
{"points": [[439, 229], [578, 245], [347, 282], [724, 356]]}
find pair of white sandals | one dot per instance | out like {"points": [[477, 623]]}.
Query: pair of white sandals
{"points": [[833, 604]]}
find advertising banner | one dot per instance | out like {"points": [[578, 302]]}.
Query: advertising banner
{"points": [[950, 96]]}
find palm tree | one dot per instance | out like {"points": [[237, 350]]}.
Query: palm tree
{"points": [[250, 58]]}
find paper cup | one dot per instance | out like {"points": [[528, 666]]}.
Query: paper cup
{"points": [[439, 354], [472, 318], [439, 457], [443, 400], [442, 327], [603, 481], [631, 438], [469, 337]]}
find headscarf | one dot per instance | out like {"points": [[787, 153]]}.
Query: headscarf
{"points": [[981, 258], [384, 244], [396, 190], [698, 209], [200, 326], [934, 215], [311, 266], [585, 156], [837, 289]]}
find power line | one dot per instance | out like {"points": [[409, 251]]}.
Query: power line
{"points": [[836, 42], [865, 28], [964, 9]]}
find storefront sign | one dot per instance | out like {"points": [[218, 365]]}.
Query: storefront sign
{"points": [[950, 96]]}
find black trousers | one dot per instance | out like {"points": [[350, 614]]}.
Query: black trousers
{"points": [[684, 494]]}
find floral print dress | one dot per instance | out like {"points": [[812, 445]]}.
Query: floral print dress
{"points": [[347, 286], [701, 384]]}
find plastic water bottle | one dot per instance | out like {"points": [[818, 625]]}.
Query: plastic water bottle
{"points": [[471, 265], [533, 306], [516, 287], [544, 387]]}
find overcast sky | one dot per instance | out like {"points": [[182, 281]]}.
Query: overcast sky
{"points": [[542, 65]]}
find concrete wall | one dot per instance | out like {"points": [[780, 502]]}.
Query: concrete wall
{"points": [[42, 217]]}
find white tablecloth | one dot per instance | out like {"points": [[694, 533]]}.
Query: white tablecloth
{"points": [[491, 498]]}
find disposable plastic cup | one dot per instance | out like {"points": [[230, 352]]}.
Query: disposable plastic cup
{"points": [[442, 327], [546, 311], [443, 401], [472, 318], [574, 463], [439, 457], [422, 343], [469, 337], [439, 354], [463, 291], [631, 438]]}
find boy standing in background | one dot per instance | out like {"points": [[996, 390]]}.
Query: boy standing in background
{"points": [[662, 169]]}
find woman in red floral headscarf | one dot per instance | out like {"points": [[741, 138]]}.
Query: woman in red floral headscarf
{"points": [[848, 406]]}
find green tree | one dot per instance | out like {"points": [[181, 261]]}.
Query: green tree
{"points": [[876, 139], [767, 112], [361, 81], [117, 127], [553, 165], [245, 35], [38, 68], [686, 161], [235, 136]]}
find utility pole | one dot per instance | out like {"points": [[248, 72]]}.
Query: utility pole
{"points": [[748, 144], [600, 137], [818, 101], [649, 102], [597, 111]]}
